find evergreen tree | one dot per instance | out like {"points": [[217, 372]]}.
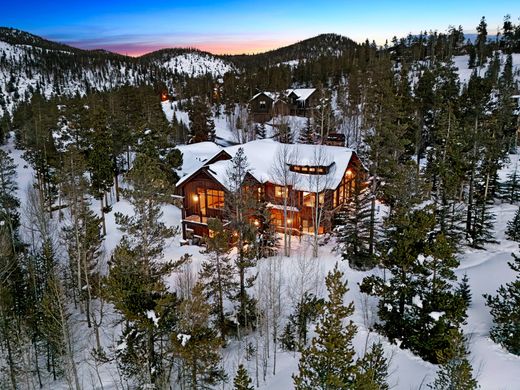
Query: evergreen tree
{"points": [[481, 42], [307, 134], [218, 273], [464, 290], [100, 161], [505, 310], [372, 370], [417, 304], [328, 363], [196, 343], [242, 380], [202, 127], [260, 131], [287, 339], [513, 227], [353, 227], [456, 373], [135, 283]]}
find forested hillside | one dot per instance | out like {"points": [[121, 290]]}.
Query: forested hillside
{"points": [[413, 286]]}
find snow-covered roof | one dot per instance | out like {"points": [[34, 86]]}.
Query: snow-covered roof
{"points": [[263, 154], [302, 93], [195, 155], [270, 95]]}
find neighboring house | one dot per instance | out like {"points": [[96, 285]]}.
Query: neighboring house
{"points": [[322, 171], [266, 105]]}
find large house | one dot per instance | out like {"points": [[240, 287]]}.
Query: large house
{"points": [[293, 178], [266, 105]]}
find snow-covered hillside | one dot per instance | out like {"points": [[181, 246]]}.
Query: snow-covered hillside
{"points": [[487, 269], [197, 64], [464, 72], [26, 70]]}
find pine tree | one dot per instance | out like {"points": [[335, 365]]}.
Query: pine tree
{"points": [[505, 310], [456, 373], [464, 290], [196, 343], [100, 163], [353, 227], [135, 284], [202, 127], [218, 273], [513, 227], [242, 380], [307, 134], [372, 370], [306, 311], [287, 339], [481, 42], [417, 304], [260, 131], [328, 363]]}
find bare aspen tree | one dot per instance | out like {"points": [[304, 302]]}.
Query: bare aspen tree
{"points": [[318, 185], [241, 124], [282, 175]]}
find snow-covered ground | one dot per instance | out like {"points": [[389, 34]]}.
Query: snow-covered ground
{"points": [[198, 64], [487, 270], [464, 72]]}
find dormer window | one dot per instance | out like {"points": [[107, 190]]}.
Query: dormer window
{"points": [[319, 170]]}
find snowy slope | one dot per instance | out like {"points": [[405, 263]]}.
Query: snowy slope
{"points": [[25, 70], [197, 64], [487, 269], [464, 72]]}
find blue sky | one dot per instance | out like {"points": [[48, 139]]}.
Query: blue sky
{"points": [[230, 26]]}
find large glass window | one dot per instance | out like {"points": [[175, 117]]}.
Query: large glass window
{"points": [[280, 192], [215, 199], [309, 199]]}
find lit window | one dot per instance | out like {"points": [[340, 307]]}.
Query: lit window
{"points": [[280, 192], [215, 199], [262, 104]]}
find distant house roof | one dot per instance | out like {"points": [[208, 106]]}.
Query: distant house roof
{"points": [[262, 154], [302, 94], [270, 95]]}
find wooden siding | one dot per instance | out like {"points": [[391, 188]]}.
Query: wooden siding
{"points": [[301, 216]]}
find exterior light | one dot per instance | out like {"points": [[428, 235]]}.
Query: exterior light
{"points": [[195, 198], [256, 222], [349, 172], [289, 220]]}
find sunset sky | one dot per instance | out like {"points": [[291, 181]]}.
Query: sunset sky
{"points": [[229, 26]]}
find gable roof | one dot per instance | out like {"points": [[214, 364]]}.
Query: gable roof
{"points": [[261, 157], [302, 94], [270, 95]]}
